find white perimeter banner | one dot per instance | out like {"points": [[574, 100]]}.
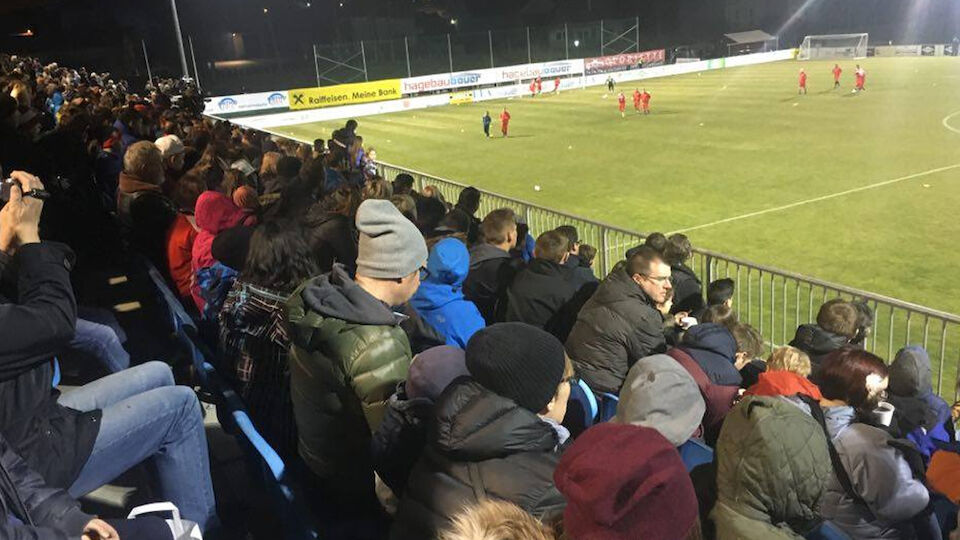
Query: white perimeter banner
{"points": [[490, 76], [245, 102]]}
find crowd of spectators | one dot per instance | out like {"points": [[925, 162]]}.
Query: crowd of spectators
{"points": [[418, 359]]}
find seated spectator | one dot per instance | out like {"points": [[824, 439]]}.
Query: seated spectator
{"points": [[525, 242], [583, 274], [772, 470], [587, 255], [440, 301], [491, 519], [406, 205], [35, 510], [141, 206], [376, 188], [620, 323], [916, 405], [102, 343], [348, 351], [172, 153], [497, 435], [655, 240], [749, 352], [215, 213], [836, 326], [254, 339], [401, 437], [403, 185], [786, 375], [469, 203], [658, 393], [719, 293], [720, 314], [100, 430], [182, 234], [626, 482], [330, 231], [687, 291], [865, 321], [885, 494], [492, 269], [430, 211], [540, 290], [708, 352]]}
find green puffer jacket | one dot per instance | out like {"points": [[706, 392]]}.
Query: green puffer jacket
{"points": [[772, 470], [347, 355]]}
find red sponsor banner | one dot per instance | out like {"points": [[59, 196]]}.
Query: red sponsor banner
{"points": [[621, 62]]}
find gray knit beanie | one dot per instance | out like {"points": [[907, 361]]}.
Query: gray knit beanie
{"points": [[390, 246]]}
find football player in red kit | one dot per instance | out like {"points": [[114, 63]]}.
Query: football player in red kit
{"points": [[622, 104], [645, 101], [836, 75], [803, 82]]}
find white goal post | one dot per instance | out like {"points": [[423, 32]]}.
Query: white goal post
{"points": [[834, 46]]}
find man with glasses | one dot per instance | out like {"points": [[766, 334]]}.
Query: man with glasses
{"points": [[348, 351], [621, 324]]}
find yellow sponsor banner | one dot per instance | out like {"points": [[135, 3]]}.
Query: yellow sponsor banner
{"points": [[456, 98], [344, 94]]}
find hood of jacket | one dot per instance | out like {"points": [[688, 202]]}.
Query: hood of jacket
{"points": [[215, 212], [714, 349], [475, 424], [838, 418], [783, 383], [816, 341], [448, 265], [336, 296], [482, 253], [772, 470], [129, 183], [910, 373]]}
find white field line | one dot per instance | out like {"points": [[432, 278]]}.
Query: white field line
{"points": [[946, 122], [818, 199]]}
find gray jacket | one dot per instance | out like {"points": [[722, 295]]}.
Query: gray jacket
{"points": [[880, 476]]}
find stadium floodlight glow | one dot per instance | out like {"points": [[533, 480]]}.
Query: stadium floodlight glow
{"points": [[453, 22], [265, 10], [576, 43]]}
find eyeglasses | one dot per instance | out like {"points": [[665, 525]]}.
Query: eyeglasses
{"points": [[424, 273], [660, 279]]}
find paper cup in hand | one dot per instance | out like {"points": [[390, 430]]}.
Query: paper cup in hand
{"points": [[884, 413]]}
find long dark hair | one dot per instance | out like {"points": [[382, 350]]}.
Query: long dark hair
{"points": [[279, 257]]}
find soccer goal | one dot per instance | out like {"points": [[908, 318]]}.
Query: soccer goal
{"points": [[834, 46]]}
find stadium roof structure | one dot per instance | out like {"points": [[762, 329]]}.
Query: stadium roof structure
{"points": [[752, 36]]}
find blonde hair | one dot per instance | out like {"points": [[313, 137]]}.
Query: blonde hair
{"points": [[496, 520], [789, 359]]}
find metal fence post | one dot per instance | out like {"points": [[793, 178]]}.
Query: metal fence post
{"points": [[146, 59], [601, 37], [529, 56], [606, 254], [490, 41], [196, 74], [406, 49], [316, 65], [566, 40], [363, 54], [450, 53], [638, 33]]}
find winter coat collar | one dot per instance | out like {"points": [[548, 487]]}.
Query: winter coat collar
{"points": [[132, 184], [482, 253], [838, 419], [337, 296]]}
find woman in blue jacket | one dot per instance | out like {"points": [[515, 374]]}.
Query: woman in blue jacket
{"points": [[440, 301]]}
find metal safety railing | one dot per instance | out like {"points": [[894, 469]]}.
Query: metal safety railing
{"points": [[772, 300]]}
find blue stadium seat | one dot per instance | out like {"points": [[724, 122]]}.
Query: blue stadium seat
{"points": [[56, 372], [608, 406]]}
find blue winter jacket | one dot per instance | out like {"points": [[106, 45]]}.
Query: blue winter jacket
{"points": [[440, 301]]}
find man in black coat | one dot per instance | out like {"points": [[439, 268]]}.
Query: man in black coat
{"points": [[621, 323], [492, 269], [687, 290], [540, 291], [836, 327]]}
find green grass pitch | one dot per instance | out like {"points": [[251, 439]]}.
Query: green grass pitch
{"points": [[726, 144]]}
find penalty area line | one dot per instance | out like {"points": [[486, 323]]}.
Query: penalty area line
{"points": [[818, 199]]}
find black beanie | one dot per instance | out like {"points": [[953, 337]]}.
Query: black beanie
{"points": [[517, 361]]}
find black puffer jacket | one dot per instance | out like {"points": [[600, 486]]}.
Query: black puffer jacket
{"points": [[491, 272], [687, 291], [481, 445], [817, 343], [616, 327]]}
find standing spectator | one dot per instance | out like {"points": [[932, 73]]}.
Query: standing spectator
{"points": [[884, 493], [440, 301], [172, 153], [348, 351], [376, 188], [497, 435], [141, 205], [403, 185], [254, 340], [658, 393], [836, 326], [620, 323], [772, 470], [330, 230], [492, 269], [402, 436], [469, 203], [539, 292], [626, 482], [687, 292]]}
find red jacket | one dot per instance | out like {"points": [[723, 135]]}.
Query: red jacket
{"points": [[783, 383], [180, 239]]}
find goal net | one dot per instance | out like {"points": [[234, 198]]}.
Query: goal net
{"points": [[834, 46]]}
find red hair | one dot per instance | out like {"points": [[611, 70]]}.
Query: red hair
{"points": [[843, 374]]}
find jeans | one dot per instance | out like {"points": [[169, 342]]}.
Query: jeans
{"points": [[146, 417], [101, 342]]}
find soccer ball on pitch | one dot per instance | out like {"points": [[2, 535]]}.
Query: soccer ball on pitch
{"points": [[536, 187]]}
